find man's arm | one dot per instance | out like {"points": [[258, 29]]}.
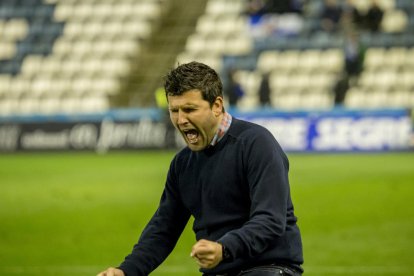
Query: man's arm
{"points": [[159, 236], [161, 233]]}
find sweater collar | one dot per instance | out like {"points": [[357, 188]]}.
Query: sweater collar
{"points": [[222, 129]]}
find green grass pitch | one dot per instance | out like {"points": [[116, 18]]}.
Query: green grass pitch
{"points": [[76, 214]]}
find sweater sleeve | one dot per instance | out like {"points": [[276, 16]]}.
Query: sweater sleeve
{"points": [[160, 235], [266, 168]]}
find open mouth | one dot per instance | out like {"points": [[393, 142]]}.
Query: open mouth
{"points": [[192, 135]]}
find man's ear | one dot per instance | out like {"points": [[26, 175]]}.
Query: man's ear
{"points": [[218, 106]]}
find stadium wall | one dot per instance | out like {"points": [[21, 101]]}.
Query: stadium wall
{"points": [[338, 130]]}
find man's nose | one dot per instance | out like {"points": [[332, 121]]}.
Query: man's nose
{"points": [[182, 118]]}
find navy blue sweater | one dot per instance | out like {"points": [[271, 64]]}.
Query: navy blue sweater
{"points": [[238, 192]]}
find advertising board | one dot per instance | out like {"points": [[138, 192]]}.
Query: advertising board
{"points": [[326, 131]]}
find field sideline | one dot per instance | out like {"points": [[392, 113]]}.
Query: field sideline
{"points": [[75, 214]]}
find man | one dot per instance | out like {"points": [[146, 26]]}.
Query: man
{"points": [[232, 177]]}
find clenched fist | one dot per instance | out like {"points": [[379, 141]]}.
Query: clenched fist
{"points": [[208, 254], [112, 272]]}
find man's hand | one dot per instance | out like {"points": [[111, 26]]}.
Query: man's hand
{"points": [[208, 254], [112, 272]]}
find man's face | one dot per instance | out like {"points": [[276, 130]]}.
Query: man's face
{"points": [[196, 120]]}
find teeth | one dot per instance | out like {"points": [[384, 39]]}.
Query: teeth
{"points": [[192, 137]]}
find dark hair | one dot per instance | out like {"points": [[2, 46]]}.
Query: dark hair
{"points": [[194, 75]]}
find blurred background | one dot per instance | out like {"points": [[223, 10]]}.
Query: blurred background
{"points": [[66, 62], [333, 80]]}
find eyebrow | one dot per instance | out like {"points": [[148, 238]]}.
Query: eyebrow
{"points": [[187, 105]]}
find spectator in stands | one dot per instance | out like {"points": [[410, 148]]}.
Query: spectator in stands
{"points": [[354, 53], [331, 16], [275, 17], [232, 178], [373, 17], [351, 17], [255, 7], [264, 90], [233, 91], [297, 6], [340, 88], [261, 7]]}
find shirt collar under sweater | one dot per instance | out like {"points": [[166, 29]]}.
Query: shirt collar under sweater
{"points": [[222, 129]]}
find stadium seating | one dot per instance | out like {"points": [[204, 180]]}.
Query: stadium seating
{"points": [[72, 55], [69, 56], [386, 80], [222, 30], [304, 69]]}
